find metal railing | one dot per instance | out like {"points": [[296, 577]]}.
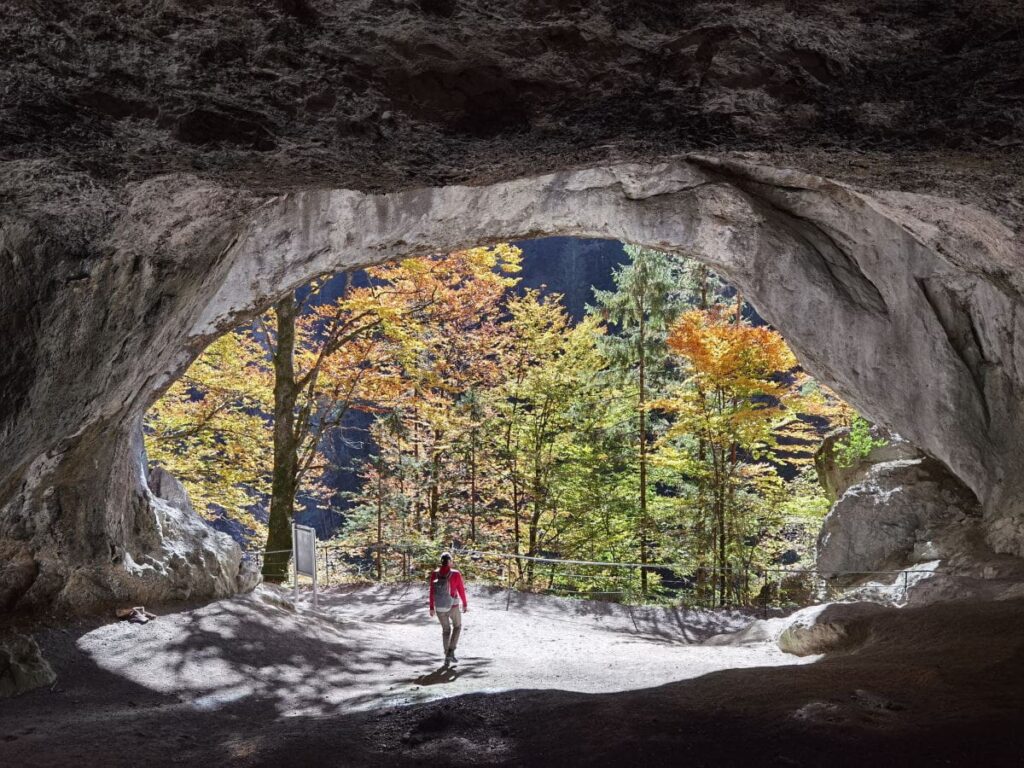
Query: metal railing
{"points": [[751, 588]]}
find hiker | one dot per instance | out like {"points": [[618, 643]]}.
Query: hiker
{"points": [[445, 586]]}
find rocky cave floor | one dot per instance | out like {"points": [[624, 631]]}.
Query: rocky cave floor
{"points": [[252, 681]]}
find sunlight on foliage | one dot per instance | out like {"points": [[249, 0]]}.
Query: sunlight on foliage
{"points": [[667, 425]]}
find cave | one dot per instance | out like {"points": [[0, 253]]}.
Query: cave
{"points": [[857, 283], [169, 172]]}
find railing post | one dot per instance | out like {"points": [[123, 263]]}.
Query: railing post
{"points": [[508, 582]]}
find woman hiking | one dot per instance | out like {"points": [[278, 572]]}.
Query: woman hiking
{"points": [[445, 586]]}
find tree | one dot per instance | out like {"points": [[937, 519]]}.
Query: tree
{"points": [[539, 408], [326, 360], [728, 420], [640, 310], [209, 430], [645, 431], [429, 457]]}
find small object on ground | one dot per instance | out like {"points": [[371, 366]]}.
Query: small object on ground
{"points": [[136, 615]]}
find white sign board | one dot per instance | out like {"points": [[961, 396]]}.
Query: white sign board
{"points": [[304, 555], [304, 539]]}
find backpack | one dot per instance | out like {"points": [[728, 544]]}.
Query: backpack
{"points": [[443, 599]]}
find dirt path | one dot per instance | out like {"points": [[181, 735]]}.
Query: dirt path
{"points": [[250, 682]]}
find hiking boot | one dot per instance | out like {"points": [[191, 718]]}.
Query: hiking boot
{"points": [[451, 658]]}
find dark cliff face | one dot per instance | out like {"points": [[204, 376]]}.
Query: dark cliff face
{"points": [[572, 267], [385, 94]]}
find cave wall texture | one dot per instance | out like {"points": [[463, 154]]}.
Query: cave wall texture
{"points": [[169, 167]]}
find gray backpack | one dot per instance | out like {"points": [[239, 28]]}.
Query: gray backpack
{"points": [[443, 600]]}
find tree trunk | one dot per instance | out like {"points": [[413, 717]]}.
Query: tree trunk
{"points": [[532, 552], [721, 550], [417, 505], [380, 518], [643, 458], [434, 497], [472, 489], [515, 524], [282, 496]]}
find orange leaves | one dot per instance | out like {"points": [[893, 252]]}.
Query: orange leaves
{"points": [[726, 355], [738, 394], [449, 305]]}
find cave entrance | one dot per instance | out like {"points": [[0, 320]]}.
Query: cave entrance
{"points": [[572, 416], [861, 284]]}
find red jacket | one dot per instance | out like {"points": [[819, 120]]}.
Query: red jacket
{"points": [[458, 589]]}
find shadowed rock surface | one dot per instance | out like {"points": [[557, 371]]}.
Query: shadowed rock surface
{"points": [[167, 170], [385, 94], [22, 667]]}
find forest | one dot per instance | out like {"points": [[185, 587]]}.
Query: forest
{"points": [[669, 427]]}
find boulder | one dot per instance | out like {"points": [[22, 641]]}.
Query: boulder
{"points": [[825, 628], [22, 666], [189, 559], [895, 511], [836, 476], [817, 629], [166, 486]]}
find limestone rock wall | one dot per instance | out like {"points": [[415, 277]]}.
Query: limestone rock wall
{"points": [[891, 517], [907, 305], [836, 476], [168, 168], [382, 95]]}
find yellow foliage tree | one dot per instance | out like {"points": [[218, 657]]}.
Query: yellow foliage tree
{"points": [[211, 432], [739, 399]]}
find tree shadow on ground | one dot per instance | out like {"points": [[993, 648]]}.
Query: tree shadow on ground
{"points": [[670, 625], [243, 648], [388, 604], [932, 686]]}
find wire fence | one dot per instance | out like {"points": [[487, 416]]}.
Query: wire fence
{"points": [[666, 583]]}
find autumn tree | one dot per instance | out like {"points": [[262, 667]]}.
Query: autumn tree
{"points": [[327, 359], [428, 467], [209, 431], [667, 426], [727, 422]]}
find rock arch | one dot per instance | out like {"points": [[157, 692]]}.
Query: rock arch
{"points": [[907, 305]]}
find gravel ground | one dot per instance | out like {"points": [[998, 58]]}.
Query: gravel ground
{"points": [[377, 646], [251, 682]]}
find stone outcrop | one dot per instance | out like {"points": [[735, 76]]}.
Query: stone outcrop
{"points": [[825, 628], [897, 507], [169, 169], [187, 558], [836, 476], [837, 271], [816, 629], [22, 666]]}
